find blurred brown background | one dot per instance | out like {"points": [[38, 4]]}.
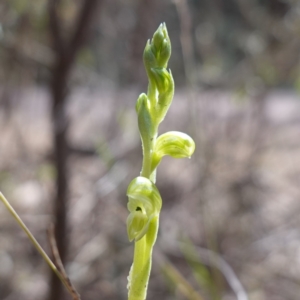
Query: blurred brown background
{"points": [[70, 73]]}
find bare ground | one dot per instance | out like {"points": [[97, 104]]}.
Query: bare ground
{"points": [[239, 194]]}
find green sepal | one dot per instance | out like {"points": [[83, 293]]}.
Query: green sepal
{"points": [[139, 102], [173, 143], [144, 203], [149, 57]]}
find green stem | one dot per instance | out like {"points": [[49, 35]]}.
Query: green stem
{"points": [[35, 242], [147, 157], [152, 91], [156, 56], [142, 261], [146, 169]]}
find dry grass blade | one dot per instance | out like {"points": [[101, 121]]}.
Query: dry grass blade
{"points": [[59, 264], [183, 285], [209, 257], [36, 244], [172, 273]]}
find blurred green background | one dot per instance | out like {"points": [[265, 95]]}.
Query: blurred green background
{"points": [[228, 43], [70, 73]]}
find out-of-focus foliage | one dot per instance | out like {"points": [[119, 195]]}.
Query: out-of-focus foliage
{"points": [[231, 41]]}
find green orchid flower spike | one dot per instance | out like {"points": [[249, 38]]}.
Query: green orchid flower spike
{"points": [[144, 200]]}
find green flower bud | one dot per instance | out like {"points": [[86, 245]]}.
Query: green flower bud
{"points": [[163, 79], [173, 143], [165, 86], [157, 52], [161, 45], [158, 39], [144, 203], [145, 121]]}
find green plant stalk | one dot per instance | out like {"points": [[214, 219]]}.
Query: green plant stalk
{"points": [[142, 262], [142, 259], [35, 242], [144, 198], [147, 159]]}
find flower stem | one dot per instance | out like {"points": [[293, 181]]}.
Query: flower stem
{"points": [[142, 261], [151, 109]]}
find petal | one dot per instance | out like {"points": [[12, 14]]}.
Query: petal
{"points": [[173, 143], [137, 225]]}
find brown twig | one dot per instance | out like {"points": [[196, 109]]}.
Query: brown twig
{"points": [[63, 278], [82, 25], [65, 49], [55, 26], [59, 264]]}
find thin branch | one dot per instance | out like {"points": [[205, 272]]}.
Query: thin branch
{"points": [[36, 244], [55, 27], [59, 263], [82, 24], [66, 51]]}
